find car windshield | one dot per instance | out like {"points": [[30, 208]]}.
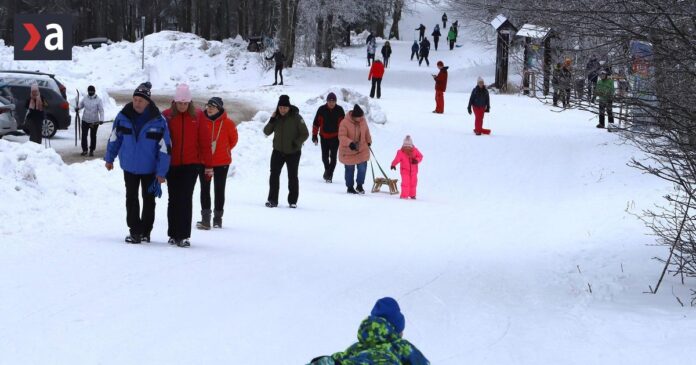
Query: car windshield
{"points": [[27, 80]]}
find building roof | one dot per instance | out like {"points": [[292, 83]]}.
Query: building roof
{"points": [[533, 31]]}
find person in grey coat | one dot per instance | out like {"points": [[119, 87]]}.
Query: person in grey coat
{"points": [[92, 118]]}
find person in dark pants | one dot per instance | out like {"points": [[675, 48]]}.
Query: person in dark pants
{"points": [[414, 50], [376, 74], [592, 71], [224, 138], [92, 118], [371, 49], [436, 35], [140, 139], [279, 58], [354, 148], [35, 107], [290, 132], [444, 21], [190, 154], [605, 94], [326, 124], [452, 37], [421, 32], [386, 53], [424, 51], [556, 83]]}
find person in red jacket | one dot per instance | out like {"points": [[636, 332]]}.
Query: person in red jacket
{"points": [[224, 138], [440, 87], [190, 153], [326, 123], [376, 74]]}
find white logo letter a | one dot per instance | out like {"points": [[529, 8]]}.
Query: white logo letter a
{"points": [[57, 37]]}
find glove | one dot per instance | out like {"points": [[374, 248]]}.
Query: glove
{"points": [[488, 109], [353, 146], [468, 109], [414, 161], [315, 139], [155, 189], [101, 122], [393, 168], [208, 173]]}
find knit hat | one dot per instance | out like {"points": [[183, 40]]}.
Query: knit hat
{"points": [[182, 94], [331, 97], [480, 79], [216, 102], [284, 100], [440, 64], [357, 111], [91, 88], [388, 309], [143, 90], [408, 142]]}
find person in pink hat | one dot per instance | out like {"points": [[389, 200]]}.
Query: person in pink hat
{"points": [[409, 157]]}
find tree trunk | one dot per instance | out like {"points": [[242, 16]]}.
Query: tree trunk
{"points": [[396, 17], [293, 33], [320, 41], [328, 42]]}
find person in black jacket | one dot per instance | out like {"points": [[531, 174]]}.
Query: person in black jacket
{"points": [[326, 123], [436, 35], [386, 53], [424, 51], [414, 50], [35, 116], [421, 31], [592, 71], [444, 21], [556, 83], [279, 58], [480, 101]]}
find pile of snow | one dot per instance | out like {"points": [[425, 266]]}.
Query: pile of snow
{"points": [[347, 98]]}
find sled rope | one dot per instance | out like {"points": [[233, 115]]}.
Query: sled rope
{"points": [[378, 166]]}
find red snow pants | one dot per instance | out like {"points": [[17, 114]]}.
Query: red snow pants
{"points": [[478, 123], [409, 182], [439, 102]]}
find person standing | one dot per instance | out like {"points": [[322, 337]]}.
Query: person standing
{"points": [[371, 49], [224, 137], [605, 93], [565, 82], [376, 74], [452, 37], [92, 118], [36, 115], [279, 58], [190, 155], [421, 32], [424, 51], [354, 148], [444, 21], [556, 83], [409, 157], [326, 125], [414, 50], [480, 101], [140, 139], [436, 35], [592, 71], [290, 132], [440, 88], [386, 53]]}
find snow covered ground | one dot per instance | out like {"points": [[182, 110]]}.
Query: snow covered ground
{"points": [[492, 264]]}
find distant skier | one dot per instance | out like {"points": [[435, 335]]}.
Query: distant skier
{"points": [[376, 74], [380, 341], [33, 120], [444, 21], [371, 49], [386, 53], [480, 102], [424, 51], [421, 32], [140, 139], [436, 35], [415, 50], [354, 148], [409, 157], [440, 88], [279, 58], [326, 123], [452, 37], [92, 117], [605, 93], [289, 133], [592, 72]]}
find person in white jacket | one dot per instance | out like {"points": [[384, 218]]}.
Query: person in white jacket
{"points": [[92, 117]]}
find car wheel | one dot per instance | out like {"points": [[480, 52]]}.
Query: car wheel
{"points": [[48, 128]]}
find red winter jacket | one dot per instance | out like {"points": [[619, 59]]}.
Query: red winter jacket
{"points": [[441, 80], [224, 134], [376, 71], [190, 138]]}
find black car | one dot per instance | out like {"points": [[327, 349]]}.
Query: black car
{"points": [[41, 78], [95, 42], [57, 112]]}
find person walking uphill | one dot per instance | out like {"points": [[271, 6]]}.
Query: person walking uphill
{"points": [[480, 101], [279, 58], [190, 155], [35, 107], [605, 93], [421, 32], [224, 137], [409, 158], [290, 132], [140, 139], [354, 148], [436, 35], [376, 74], [444, 20], [386, 53], [371, 49], [424, 52], [440, 88], [415, 50], [326, 123], [92, 117], [380, 341], [452, 37]]}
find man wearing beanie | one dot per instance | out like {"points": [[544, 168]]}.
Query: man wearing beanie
{"points": [[326, 123], [440, 87], [290, 132], [140, 139], [92, 117], [354, 148], [380, 340]]}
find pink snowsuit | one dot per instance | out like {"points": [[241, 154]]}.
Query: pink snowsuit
{"points": [[409, 171]]}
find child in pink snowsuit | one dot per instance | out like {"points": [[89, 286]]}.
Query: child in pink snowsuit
{"points": [[409, 157]]}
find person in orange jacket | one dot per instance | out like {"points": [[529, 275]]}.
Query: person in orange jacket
{"points": [[376, 74], [409, 157], [440, 87], [190, 153], [224, 137]]}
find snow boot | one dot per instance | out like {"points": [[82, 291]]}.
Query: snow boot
{"points": [[133, 238], [600, 125], [91, 153], [351, 190], [183, 243], [172, 241], [271, 205], [204, 223], [217, 219], [360, 190], [293, 205], [84, 153], [275, 83]]}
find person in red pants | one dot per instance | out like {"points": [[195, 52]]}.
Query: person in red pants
{"points": [[440, 87], [480, 102]]}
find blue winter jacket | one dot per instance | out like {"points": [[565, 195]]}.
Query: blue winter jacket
{"points": [[145, 152]]}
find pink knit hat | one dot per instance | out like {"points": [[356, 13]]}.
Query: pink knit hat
{"points": [[408, 142], [182, 94]]}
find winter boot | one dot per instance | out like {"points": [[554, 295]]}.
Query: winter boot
{"points": [[204, 223], [270, 204], [360, 189], [351, 190], [183, 243], [133, 238], [600, 125], [217, 219]]}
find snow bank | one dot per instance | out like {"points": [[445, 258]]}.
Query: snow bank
{"points": [[347, 98]]}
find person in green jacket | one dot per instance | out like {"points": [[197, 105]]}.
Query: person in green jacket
{"points": [[605, 94], [452, 37], [290, 132], [380, 341]]}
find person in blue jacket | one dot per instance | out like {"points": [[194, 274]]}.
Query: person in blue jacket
{"points": [[140, 138]]}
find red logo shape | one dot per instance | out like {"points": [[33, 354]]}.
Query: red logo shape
{"points": [[34, 36]]}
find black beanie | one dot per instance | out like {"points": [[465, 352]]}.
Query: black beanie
{"points": [[284, 100], [216, 102], [91, 88], [357, 111], [143, 90]]}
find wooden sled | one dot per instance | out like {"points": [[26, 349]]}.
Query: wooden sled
{"points": [[379, 181]]}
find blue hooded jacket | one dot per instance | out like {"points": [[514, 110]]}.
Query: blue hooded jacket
{"points": [[141, 141]]}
